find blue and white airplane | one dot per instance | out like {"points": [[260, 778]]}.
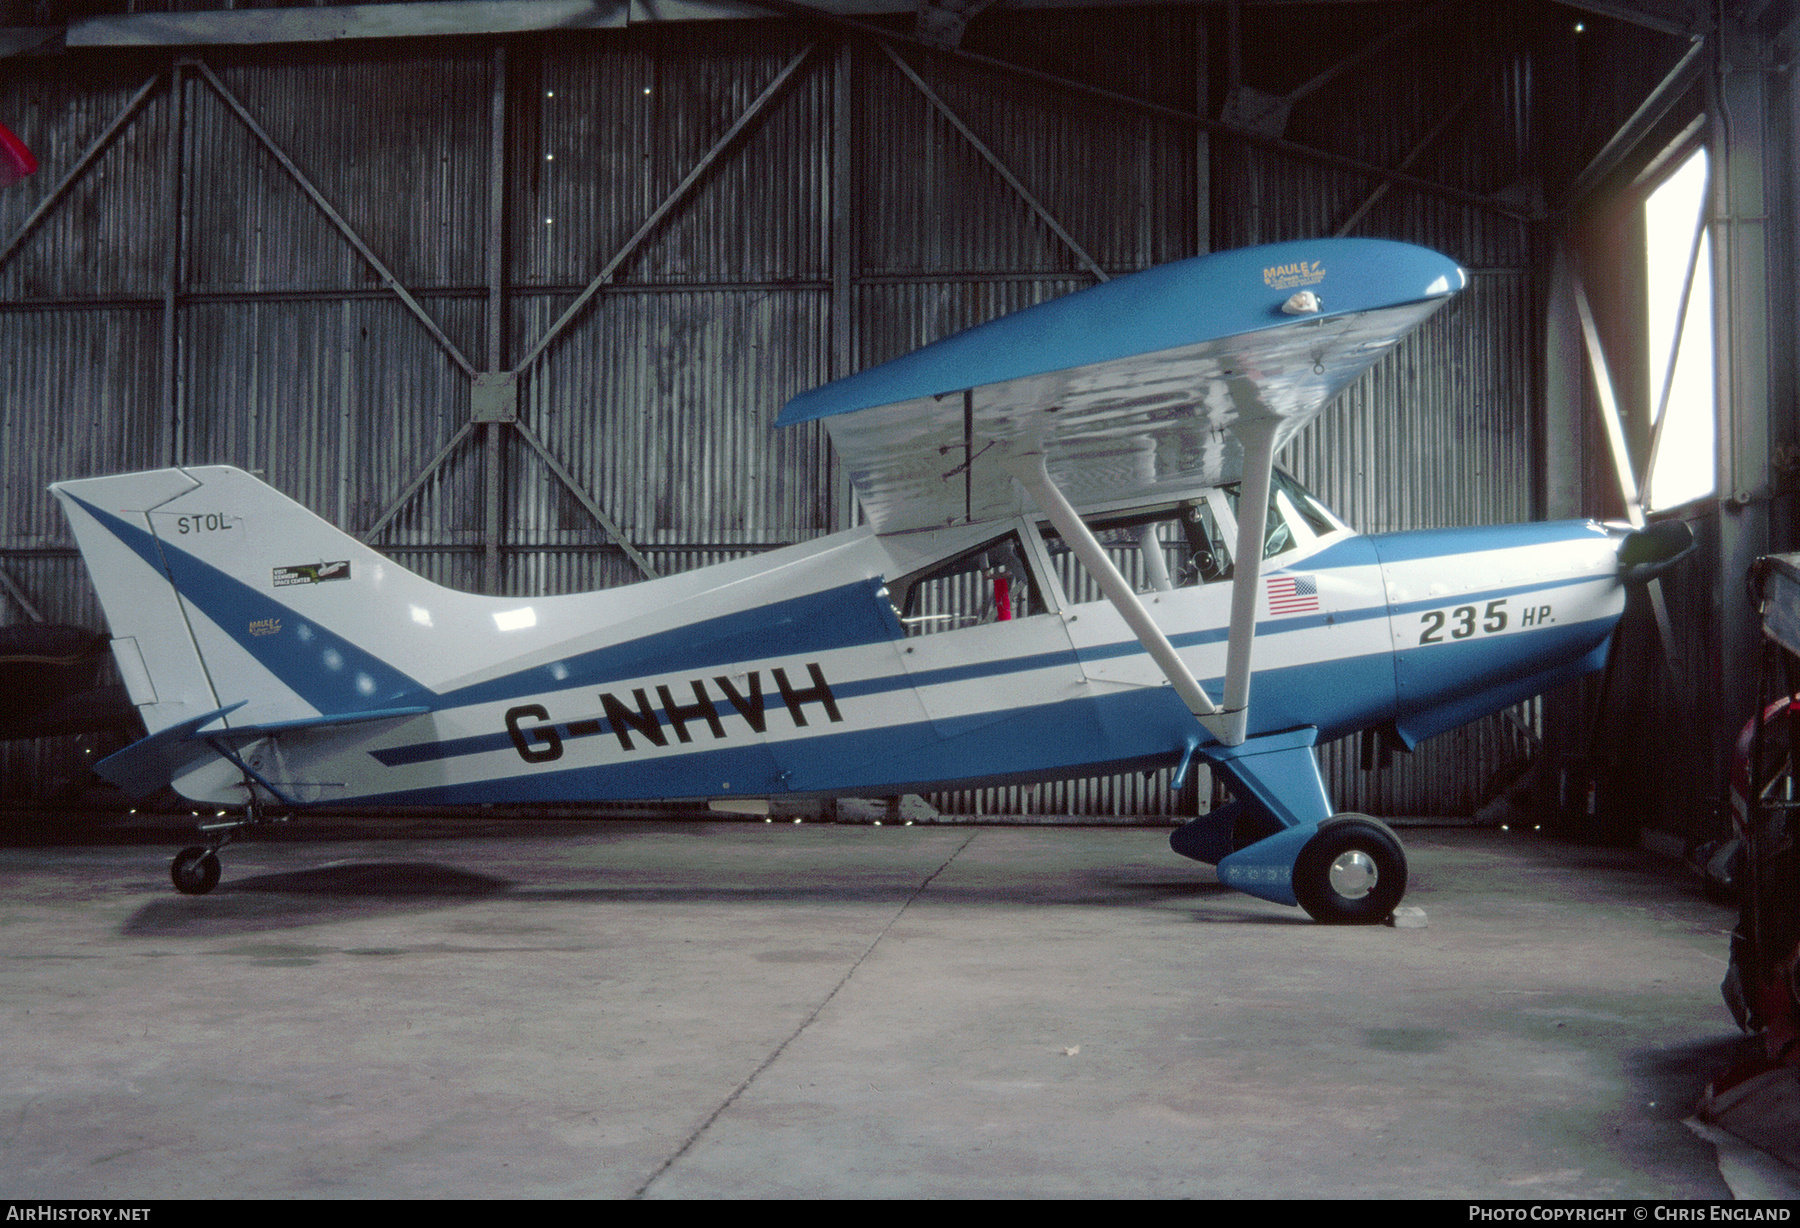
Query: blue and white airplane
{"points": [[1078, 560]]}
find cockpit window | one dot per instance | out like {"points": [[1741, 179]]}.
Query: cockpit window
{"points": [[1155, 551], [990, 583], [1290, 505], [1302, 505], [1175, 546], [1277, 537]]}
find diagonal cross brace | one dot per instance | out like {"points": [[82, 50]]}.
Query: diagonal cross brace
{"points": [[993, 160], [674, 198], [82, 163], [332, 215]]}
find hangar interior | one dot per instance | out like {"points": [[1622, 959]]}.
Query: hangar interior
{"points": [[513, 291]]}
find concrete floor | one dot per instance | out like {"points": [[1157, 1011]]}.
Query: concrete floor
{"points": [[615, 1009]]}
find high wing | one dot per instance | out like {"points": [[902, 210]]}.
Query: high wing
{"points": [[1185, 376], [1132, 388]]}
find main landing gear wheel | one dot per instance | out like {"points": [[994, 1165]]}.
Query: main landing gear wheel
{"points": [[1352, 873], [195, 871]]}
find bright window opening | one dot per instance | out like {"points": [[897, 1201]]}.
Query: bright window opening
{"points": [[1684, 451]]}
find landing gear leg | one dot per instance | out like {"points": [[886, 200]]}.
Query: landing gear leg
{"points": [[1345, 869], [195, 869]]}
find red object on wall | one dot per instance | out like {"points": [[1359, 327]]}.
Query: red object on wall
{"points": [[16, 161]]}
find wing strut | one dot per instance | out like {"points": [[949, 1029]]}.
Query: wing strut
{"points": [[1257, 435], [1227, 723], [1028, 468]]}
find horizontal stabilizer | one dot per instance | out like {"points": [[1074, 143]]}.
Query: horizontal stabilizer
{"points": [[150, 763], [245, 733]]}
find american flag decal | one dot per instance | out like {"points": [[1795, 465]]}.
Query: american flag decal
{"points": [[1293, 594]]}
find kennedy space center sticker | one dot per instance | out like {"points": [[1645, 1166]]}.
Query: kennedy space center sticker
{"points": [[312, 573]]}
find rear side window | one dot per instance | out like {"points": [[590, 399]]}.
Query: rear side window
{"points": [[990, 583]]}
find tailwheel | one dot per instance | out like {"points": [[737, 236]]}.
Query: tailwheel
{"points": [[1352, 873], [195, 871]]}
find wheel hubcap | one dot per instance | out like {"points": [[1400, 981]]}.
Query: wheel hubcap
{"points": [[1353, 874]]}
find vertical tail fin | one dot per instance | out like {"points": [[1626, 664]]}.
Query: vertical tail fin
{"points": [[220, 591], [156, 654]]}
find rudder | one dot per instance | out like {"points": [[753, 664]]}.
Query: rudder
{"points": [[220, 591]]}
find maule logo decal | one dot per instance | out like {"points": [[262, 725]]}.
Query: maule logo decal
{"points": [[265, 626], [311, 573], [1293, 276]]}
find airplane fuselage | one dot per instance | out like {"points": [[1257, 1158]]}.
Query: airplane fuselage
{"points": [[797, 675]]}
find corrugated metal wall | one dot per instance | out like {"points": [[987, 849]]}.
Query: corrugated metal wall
{"points": [[189, 299]]}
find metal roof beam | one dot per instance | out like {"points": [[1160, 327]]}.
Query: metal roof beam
{"points": [[1655, 107], [1279, 145], [312, 25], [1667, 16], [439, 18], [942, 22]]}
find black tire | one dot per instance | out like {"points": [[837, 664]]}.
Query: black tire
{"points": [[1376, 879], [195, 871]]}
